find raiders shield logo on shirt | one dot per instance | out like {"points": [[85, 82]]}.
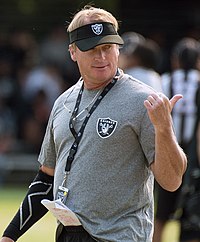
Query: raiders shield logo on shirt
{"points": [[106, 127], [97, 28]]}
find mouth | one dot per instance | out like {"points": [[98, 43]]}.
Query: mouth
{"points": [[100, 66]]}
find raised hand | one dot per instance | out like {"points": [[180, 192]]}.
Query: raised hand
{"points": [[159, 108]]}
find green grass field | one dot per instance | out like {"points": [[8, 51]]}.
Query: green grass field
{"points": [[10, 199], [44, 230]]}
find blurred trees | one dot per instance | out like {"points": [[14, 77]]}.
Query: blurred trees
{"points": [[40, 16]]}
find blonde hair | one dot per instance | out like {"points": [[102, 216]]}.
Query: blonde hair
{"points": [[89, 15]]}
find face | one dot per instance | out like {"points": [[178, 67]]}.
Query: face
{"points": [[97, 66]]}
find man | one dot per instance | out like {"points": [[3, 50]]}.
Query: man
{"points": [[103, 145]]}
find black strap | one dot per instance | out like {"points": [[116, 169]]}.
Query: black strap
{"points": [[75, 111], [79, 135]]}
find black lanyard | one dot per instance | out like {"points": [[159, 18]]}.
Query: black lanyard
{"points": [[79, 135]]}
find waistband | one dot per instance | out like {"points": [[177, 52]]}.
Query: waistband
{"points": [[78, 228]]}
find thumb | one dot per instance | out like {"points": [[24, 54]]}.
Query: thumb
{"points": [[175, 99]]}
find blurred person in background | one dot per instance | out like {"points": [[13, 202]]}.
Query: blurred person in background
{"points": [[32, 75], [18, 55], [185, 79], [8, 105], [47, 78], [139, 57], [41, 87], [22, 46], [53, 48], [7, 128]]}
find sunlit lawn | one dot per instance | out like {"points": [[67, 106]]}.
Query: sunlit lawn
{"points": [[10, 199], [171, 232], [44, 230]]}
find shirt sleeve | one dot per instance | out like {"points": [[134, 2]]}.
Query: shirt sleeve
{"points": [[47, 155]]}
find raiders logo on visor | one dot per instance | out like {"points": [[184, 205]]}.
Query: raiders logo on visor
{"points": [[97, 28]]}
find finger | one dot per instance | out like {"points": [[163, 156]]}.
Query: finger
{"points": [[155, 95], [147, 104], [175, 99], [151, 99]]}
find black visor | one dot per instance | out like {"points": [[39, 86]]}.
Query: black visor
{"points": [[88, 36]]}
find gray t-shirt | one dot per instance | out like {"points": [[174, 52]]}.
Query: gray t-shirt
{"points": [[110, 183]]}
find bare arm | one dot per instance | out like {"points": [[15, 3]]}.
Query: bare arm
{"points": [[5, 239], [170, 161], [47, 170]]}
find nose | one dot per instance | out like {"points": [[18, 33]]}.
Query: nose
{"points": [[100, 54]]}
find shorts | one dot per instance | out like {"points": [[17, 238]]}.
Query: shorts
{"points": [[166, 203], [166, 207], [187, 231], [75, 234], [189, 235]]}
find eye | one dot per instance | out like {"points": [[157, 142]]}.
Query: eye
{"points": [[107, 47]]}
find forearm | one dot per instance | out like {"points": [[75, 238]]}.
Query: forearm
{"points": [[31, 209], [6, 239], [170, 160]]}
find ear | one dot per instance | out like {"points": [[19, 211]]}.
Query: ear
{"points": [[117, 50], [72, 51]]}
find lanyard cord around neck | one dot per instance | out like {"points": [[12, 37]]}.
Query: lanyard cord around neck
{"points": [[79, 135]]}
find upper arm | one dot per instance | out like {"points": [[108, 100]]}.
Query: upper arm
{"points": [[152, 166], [47, 170]]}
